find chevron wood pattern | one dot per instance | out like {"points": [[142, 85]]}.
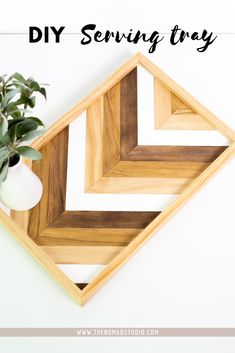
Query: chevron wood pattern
{"points": [[115, 163], [125, 167]]}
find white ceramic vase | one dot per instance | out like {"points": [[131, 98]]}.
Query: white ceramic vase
{"points": [[22, 189]]}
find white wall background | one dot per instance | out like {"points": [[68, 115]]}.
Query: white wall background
{"points": [[184, 277]]}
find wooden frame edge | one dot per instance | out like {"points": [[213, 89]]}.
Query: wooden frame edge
{"points": [[157, 223], [187, 97], [40, 256]]}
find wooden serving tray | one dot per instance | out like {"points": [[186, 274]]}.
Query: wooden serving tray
{"points": [[114, 166]]}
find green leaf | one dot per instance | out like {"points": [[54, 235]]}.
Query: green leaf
{"points": [[26, 126], [15, 121], [4, 153], [43, 92], [16, 114], [38, 121], [32, 102], [19, 78], [3, 125], [19, 85], [4, 170], [33, 85], [12, 132], [8, 96], [29, 152], [22, 100], [31, 135], [5, 139]]}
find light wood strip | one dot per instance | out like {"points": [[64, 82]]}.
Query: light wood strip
{"points": [[94, 143], [186, 121], [157, 223], [87, 236], [111, 132], [162, 104], [187, 98], [101, 255], [126, 185], [67, 118], [21, 218], [149, 169]]}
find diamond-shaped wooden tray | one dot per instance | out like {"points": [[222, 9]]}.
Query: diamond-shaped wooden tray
{"points": [[115, 164]]}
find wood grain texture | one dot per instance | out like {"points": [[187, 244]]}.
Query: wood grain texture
{"points": [[185, 121], [104, 219], [21, 218], [111, 129], [52, 170], [162, 103], [127, 185], [87, 236], [94, 143], [120, 255], [123, 159], [202, 154], [149, 169], [82, 254], [128, 115]]}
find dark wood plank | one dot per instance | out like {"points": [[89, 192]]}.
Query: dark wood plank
{"points": [[104, 219], [205, 154], [111, 128], [52, 170], [81, 285], [128, 113]]}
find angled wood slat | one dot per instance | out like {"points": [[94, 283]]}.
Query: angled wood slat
{"points": [[152, 169], [174, 114], [200, 154], [127, 185], [87, 236], [111, 129], [71, 254], [94, 134], [128, 113], [123, 159], [104, 219], [51, 224], [114, 163]]}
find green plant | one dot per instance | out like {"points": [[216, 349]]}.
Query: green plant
{"points": [[17, 125]]}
